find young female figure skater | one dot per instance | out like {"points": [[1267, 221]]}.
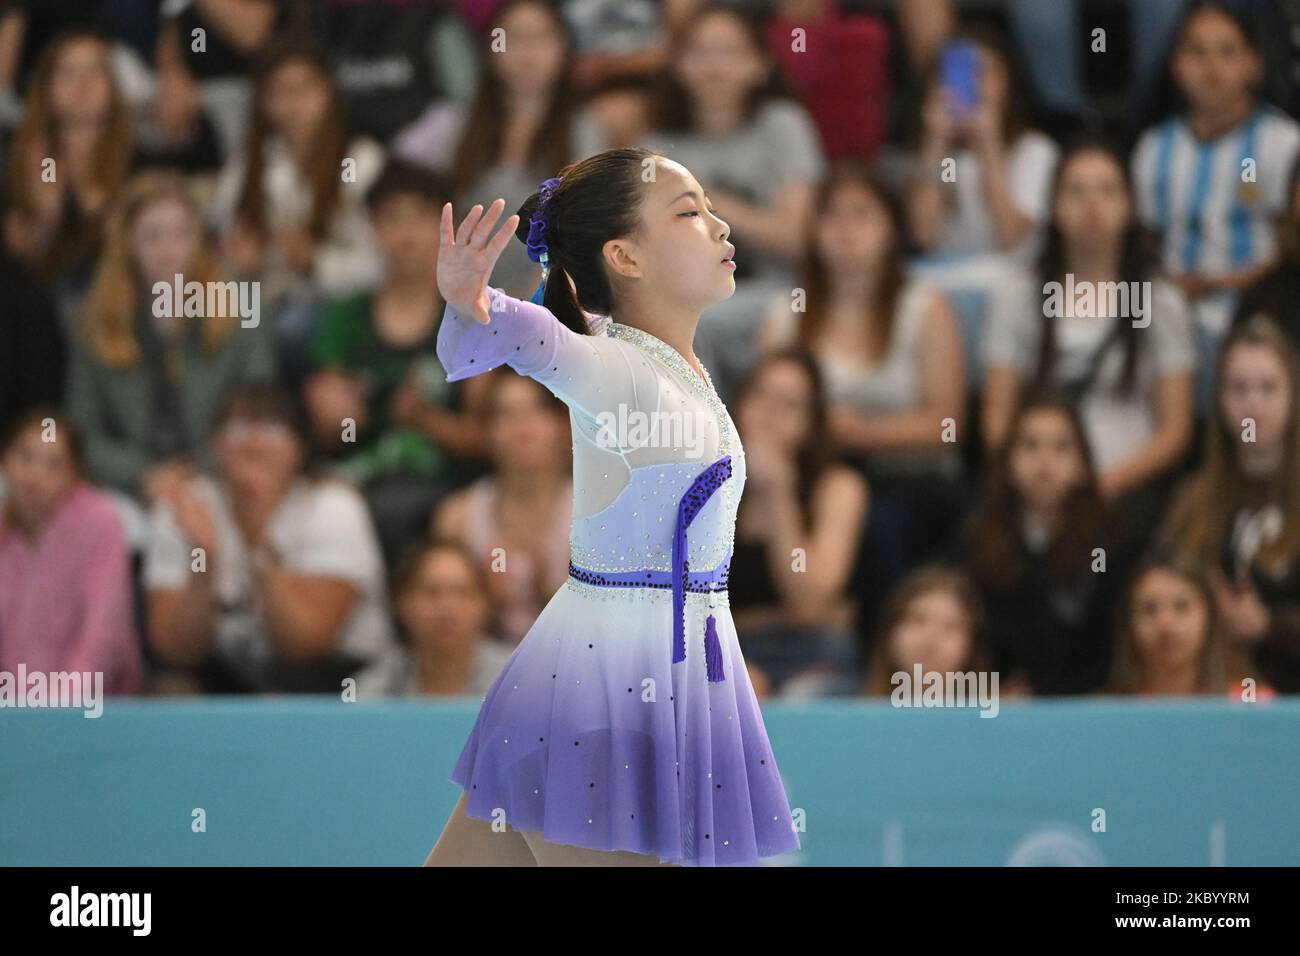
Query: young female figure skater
{"points": [[624, 729]]}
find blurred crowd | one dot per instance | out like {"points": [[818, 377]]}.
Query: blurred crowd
{"points": [[1092, 495]]}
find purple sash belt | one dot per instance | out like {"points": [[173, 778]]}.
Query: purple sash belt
{"points": [[681, 579]]}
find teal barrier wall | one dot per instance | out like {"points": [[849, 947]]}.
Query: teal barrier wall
{"points": [[316, 781]]}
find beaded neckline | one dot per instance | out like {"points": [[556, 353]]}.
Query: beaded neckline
{"points": [[675, 360], [665, 352]]}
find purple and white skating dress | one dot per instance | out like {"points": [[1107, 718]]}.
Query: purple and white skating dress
{"points": [[625, 719]]}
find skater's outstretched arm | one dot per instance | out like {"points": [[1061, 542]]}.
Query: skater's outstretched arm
{"points": [[484, 328]]}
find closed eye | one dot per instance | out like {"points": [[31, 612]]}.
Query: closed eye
{"points": [[696, 212]]}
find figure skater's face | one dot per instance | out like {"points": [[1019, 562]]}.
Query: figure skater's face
{"points": [[934, 632], [680, 249], [1214, 65], [1170, 620], [441, 608], [1092, 205], [535, 49], [164, 239], [1046, 462], [1255, 386], [778, 406], [39, 473], [854, 232]]}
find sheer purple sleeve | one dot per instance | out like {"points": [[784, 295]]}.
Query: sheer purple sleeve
{"points": [[515, 336], [587, 372]]}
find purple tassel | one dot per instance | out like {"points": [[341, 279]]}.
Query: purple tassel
{"points": [[701, 489], [679, 586], [712, 651]]}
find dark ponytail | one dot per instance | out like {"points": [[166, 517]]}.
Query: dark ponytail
{"points": [[598, 199]]}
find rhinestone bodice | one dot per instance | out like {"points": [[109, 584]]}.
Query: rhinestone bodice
{"points": [[636, 529], [626, 491]]}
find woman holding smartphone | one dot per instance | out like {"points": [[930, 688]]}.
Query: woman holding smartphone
{"points": [[981, 175]]}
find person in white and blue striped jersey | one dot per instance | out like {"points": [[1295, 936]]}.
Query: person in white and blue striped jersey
{"points": [[1212, 180]]}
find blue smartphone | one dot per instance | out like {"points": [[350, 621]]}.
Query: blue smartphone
{"points": [[959, 73]]}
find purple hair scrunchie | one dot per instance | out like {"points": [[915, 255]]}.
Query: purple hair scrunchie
{"points": [[539, 222]]}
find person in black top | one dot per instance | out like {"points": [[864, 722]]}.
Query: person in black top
{"points": [[797, 531], [391, 59], [34, 355], [1047, 560]]}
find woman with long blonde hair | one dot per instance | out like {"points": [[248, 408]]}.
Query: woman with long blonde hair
{"points": [[146, 379], [1238, 517]]}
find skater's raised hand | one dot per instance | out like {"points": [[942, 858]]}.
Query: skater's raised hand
{"points": [[465, 261]]}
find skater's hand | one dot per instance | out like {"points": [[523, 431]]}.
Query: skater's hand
{"points": [[465, 263]]}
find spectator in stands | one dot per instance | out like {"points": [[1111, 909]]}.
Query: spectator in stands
{"points": [[980, 180], [69, 160], [1277, 292], [1045, 555], [1168, 643], [1126, 359], [1212, 179], [797, 531], [146, 379], [267, 578], [203, 57], [290, 205], [522, 127], [933, 620], [28, 26], [378, 375], [516, 520], [1239, 516], [616, 40], [892, 356], [839, 63], [443, 605], [889, 346], [390, 60], [1056, 40], [65, 571], [727, 114]]}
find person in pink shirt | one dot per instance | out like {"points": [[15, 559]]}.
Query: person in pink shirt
{"points": [[65, 582]]}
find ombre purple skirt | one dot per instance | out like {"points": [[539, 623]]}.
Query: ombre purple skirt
{"points": [[593, 737]]}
